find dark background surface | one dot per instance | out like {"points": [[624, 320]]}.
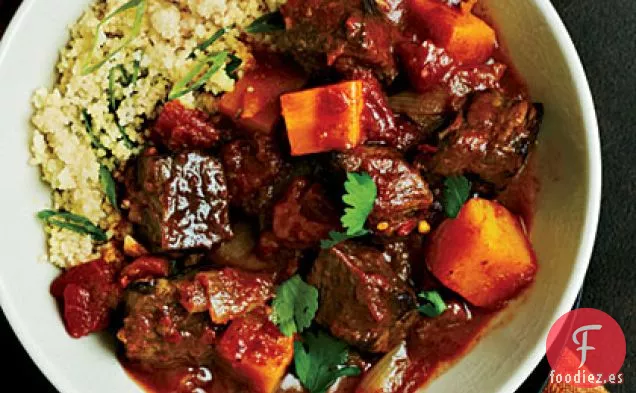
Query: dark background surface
{"points": [[604, 32]]}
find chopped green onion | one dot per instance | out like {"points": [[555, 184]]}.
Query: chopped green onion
{"points": [[74, 223], [206, 44], [90, 66], [233, 66], [86, 118], [267, 23], [186, 85], [108, 184], [124, 136], [112, 79], [434, 305], [136, 72]]}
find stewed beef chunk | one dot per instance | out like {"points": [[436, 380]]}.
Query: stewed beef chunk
{"points": [[181, 201], [159, 333], [362, 301], [305, 215], [254, 170], [402, 192], [342, 34], [491, 140]]}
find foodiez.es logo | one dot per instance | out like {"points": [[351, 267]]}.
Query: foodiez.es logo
{"points": [[586, 348]]}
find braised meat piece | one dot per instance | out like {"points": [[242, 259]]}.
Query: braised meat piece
{"points": [[242, 252], [226, 294], [88, 295], [159, 333], [254, 170], [304, 216], [402, 193], [429, 66], [179, 128], [362, 300], [341, 34], [491, 140], [181, 201]]}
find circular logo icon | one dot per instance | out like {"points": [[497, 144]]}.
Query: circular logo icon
{"points": [[586, 348]]}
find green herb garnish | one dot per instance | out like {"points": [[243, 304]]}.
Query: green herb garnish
{"points": [[136, 72], [112, 79], [320, 361], [360, 196], [206, 44], [88, 124], [434, 304], [456, 193], [361, 193], [74, 223], [108, 184], [233, 66], [295, 306], [140, 6], [186, 85], [267, 23]]}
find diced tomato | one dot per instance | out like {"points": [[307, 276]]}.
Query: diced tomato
{"points": [[257, 351], [144, 268], [89, 273], [254, 104], [88, 293], [180, 128]]}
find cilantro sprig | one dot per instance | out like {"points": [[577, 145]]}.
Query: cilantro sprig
{"points": [[456, 193], [360, 196], [320, 360], [295, 306], [433, 304]]}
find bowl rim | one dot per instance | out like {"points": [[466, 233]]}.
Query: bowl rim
{"points": [[586, 245]]}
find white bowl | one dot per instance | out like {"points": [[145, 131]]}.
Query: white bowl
{"points": [[563, 234]]}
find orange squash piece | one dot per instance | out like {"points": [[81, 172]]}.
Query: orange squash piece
{"points": [[466, 37], [255, 101], [483, 254], [257, 351], [324, 119]]}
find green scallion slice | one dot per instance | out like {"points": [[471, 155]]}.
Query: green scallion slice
{"points": [[206, 44], [188, 83], [91, 64], [74, 223], [267, 23], [108, 184], [88, 123]]}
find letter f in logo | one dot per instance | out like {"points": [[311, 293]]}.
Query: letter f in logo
{"points": [[584, 347]]}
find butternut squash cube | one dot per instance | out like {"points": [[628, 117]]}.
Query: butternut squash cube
{"points": [[483, 254], [257, 351], [324, 119], [466, 37]]}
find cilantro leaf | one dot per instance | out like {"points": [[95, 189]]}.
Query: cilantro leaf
{"points": [[434, 305], [456, 193], [295, 306], [336, 238], [319, 362], [361, 193]]}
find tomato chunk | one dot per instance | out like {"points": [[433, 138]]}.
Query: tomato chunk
{"points": [[254, 104], [144, 268], [180, 128]]}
